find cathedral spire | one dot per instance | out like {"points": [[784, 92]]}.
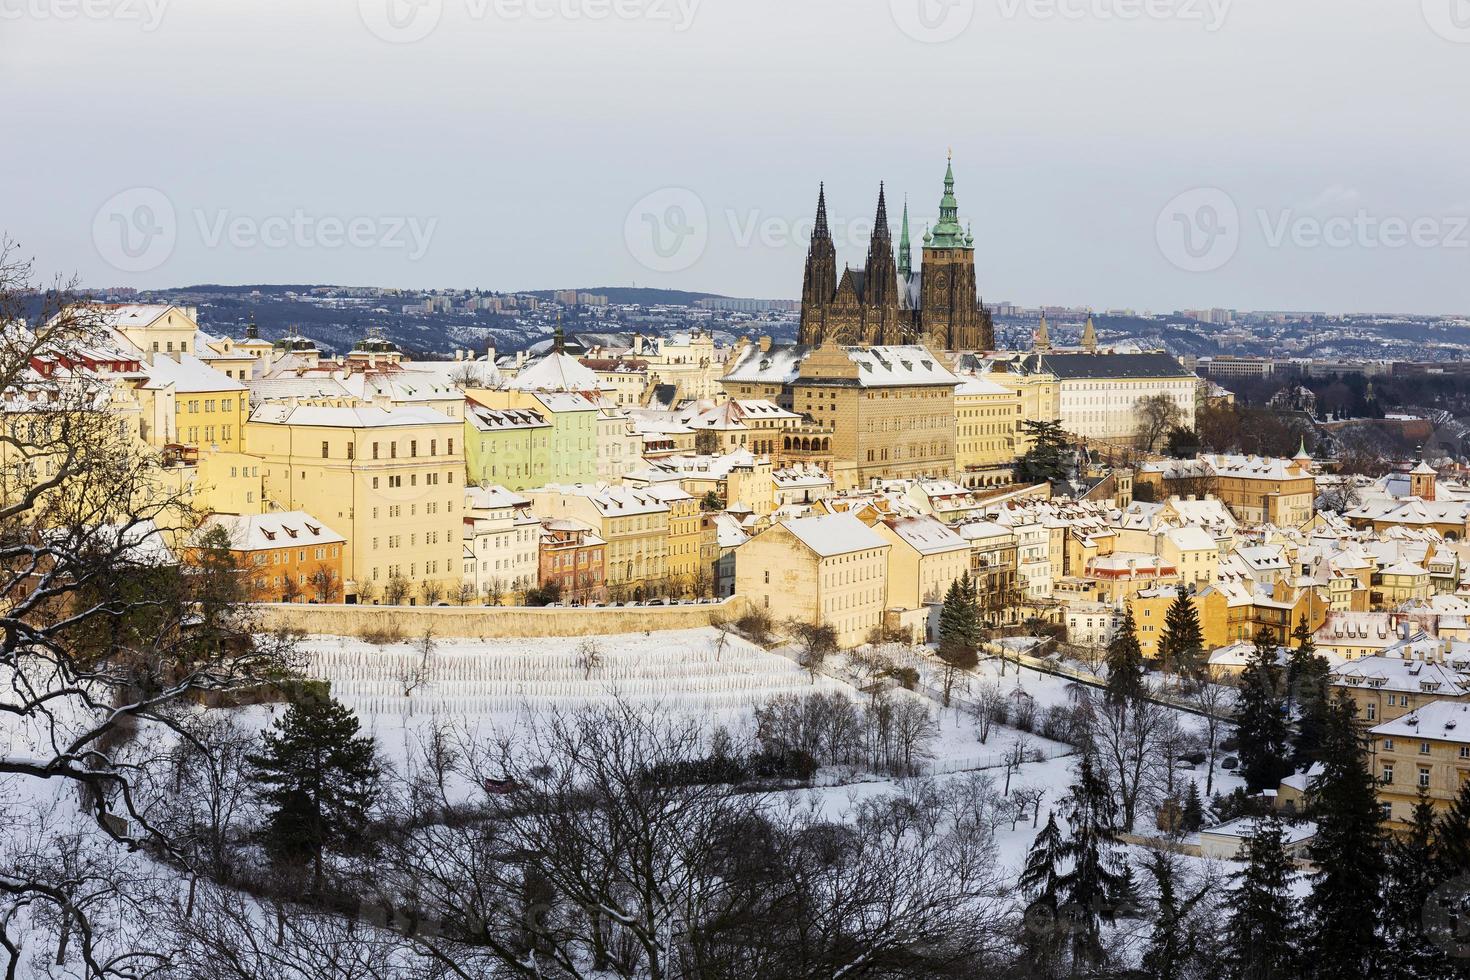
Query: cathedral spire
{"points": [[820, 230], [905, 250], [880, 223], [948, 233], [1089, 336]]}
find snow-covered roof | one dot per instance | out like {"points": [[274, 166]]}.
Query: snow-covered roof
{"points": [[1396, 674], [492, 498], [557, 372], [360, 417], [829, 535], [188, 375], [263, 532], [926, 535], [1442, 721]]}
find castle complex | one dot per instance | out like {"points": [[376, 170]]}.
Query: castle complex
{"points": [[886, 302]]}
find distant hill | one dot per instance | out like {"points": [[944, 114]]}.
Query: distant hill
{"points": [[633, 294]]}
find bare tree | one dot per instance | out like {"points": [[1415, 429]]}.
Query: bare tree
{"points": [[395, 593], [1125, 740], [419, 671], [1216, 704], [465, 593], [493, 591], [1157, 414], [326, 584], [431, 591], [815, 640], [589, 657], [988, 708], [106, 635], [1015, 759]]}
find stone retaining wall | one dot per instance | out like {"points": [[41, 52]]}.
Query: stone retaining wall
{"points": [[492, 621]]}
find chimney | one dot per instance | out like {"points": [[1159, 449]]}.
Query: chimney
{"points": [[490, 354], [765, 343]]}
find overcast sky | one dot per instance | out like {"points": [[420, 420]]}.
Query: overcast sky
{"points": [[1153, 154]]}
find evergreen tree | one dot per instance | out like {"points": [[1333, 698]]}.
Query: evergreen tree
{"points": [[1173, 947], [1097, 885], [1046, 459], [1452, 836], [1125, 663], [1183, 640], [1346, 900], [1192, 816], [1261, 719], [1261, 935], [959, 631], [1413, 872], [1308, 677], [319, 777], [1040, 882]]}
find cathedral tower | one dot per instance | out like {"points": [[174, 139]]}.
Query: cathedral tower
{"points": [[820, 282], [952, 317]]}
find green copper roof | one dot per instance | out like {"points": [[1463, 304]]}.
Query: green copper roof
{"points": [[948, 233]]}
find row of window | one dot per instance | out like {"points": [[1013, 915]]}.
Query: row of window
{"points": [[377, 448]]}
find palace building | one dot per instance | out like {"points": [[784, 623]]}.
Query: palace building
{"points": [[887, 302]]}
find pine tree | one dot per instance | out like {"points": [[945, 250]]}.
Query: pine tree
{"points": [[1192, 817], [1261, 935], [1173, 947], [1183, 640], [1452, 835], [1261, 720], [1346, 900], [1046, 459], [319, 777], [959, 631], [1040, 882], [1308, 677], [1125, 663], [1096, 885], [1413, 872]]}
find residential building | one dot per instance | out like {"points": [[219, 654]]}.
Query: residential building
{"points": [[1427, 748], [284, 557], [502, 541], [393, 479], [925, 559], [574, 557], [633, 522], [827, 570]]}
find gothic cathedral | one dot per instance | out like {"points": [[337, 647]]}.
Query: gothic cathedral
{"points": [[885, 302]]}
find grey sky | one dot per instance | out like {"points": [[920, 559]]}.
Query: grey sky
{"points": [[531, 144]]}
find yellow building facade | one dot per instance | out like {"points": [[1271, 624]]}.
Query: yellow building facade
{"points": [[391, 481]]}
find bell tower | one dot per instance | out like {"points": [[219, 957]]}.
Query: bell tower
{"points": [[952, 317], [819, 285]]}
